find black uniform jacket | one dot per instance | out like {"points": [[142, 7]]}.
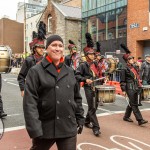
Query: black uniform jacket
{"points": [[83, 72], [52, 102], [128, 81], [68, 60], [28, 63]]}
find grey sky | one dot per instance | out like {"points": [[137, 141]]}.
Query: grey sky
{"points": [[9, 8]]}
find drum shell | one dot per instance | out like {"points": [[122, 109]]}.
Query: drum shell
{"points": [[5, 60], [145, 92], [105, 93]]}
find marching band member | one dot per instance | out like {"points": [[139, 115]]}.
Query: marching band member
{"points": [[37, 48], [86, 73], [72, 60], [130, 83]]}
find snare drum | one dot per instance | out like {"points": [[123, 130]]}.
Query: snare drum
{"points": [[105, 93], [5, 59], [146, 92]]}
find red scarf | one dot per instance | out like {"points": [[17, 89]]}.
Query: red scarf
{"points": [[93, 68], [38, 58], [58, 67]]}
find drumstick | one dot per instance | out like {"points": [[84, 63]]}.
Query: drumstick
{"points": [[99, 79], [126, 98]]}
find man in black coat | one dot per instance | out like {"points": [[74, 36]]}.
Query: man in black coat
{"points": [[52, 102]]}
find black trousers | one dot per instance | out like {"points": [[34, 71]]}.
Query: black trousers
{"points": [[1, 102], [133, 106], [62, 143], [91, 114]]}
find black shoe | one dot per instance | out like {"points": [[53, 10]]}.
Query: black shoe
{"points": [[96, 132], [88, 125], [142, 122], [2, 115], [127, 119]]}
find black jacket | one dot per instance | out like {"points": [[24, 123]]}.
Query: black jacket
{"points": [[83, 72], [128, 81], [28, 63], [52, 102], [145, 71], [68, 60]]}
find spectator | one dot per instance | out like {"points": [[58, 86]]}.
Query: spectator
{"points": [[145, 70]]}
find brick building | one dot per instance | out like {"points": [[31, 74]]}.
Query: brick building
{"points": [[12, 34], [138, 27], [64, 20], [118, 21]]}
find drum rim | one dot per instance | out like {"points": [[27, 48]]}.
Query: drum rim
{"points": [[105, 87]]}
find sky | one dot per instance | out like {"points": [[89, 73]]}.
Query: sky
{"points": [[9, 8]]}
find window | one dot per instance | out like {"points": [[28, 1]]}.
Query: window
{"points": [[84, 5], [49, 20], [100, 3]]}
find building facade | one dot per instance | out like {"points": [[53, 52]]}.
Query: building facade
{"points": [[106, 20], [138, 27], [28, 9], [12, 34], [31, 25], [112, 22], [63, 20]]}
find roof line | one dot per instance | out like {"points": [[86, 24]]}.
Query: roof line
{"points": [[59, 9]]}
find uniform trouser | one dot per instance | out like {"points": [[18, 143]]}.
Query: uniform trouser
{"points": [[1, 102], [91, 114], [62, 143], [133, 106]]}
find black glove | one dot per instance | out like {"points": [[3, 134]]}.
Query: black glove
{"points": [[80, 128]]}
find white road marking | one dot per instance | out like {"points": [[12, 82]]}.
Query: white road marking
{"points": [[12, 83], [14, 128], [14, 115], [8, 79], [112, 138], [128, 138], [108, 112]]}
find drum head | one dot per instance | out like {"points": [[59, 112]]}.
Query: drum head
{"points": [[104, 87], [146, 87]]}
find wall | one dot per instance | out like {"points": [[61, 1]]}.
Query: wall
{"points": [[13, 33], [31, 25], [137, 12]]}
